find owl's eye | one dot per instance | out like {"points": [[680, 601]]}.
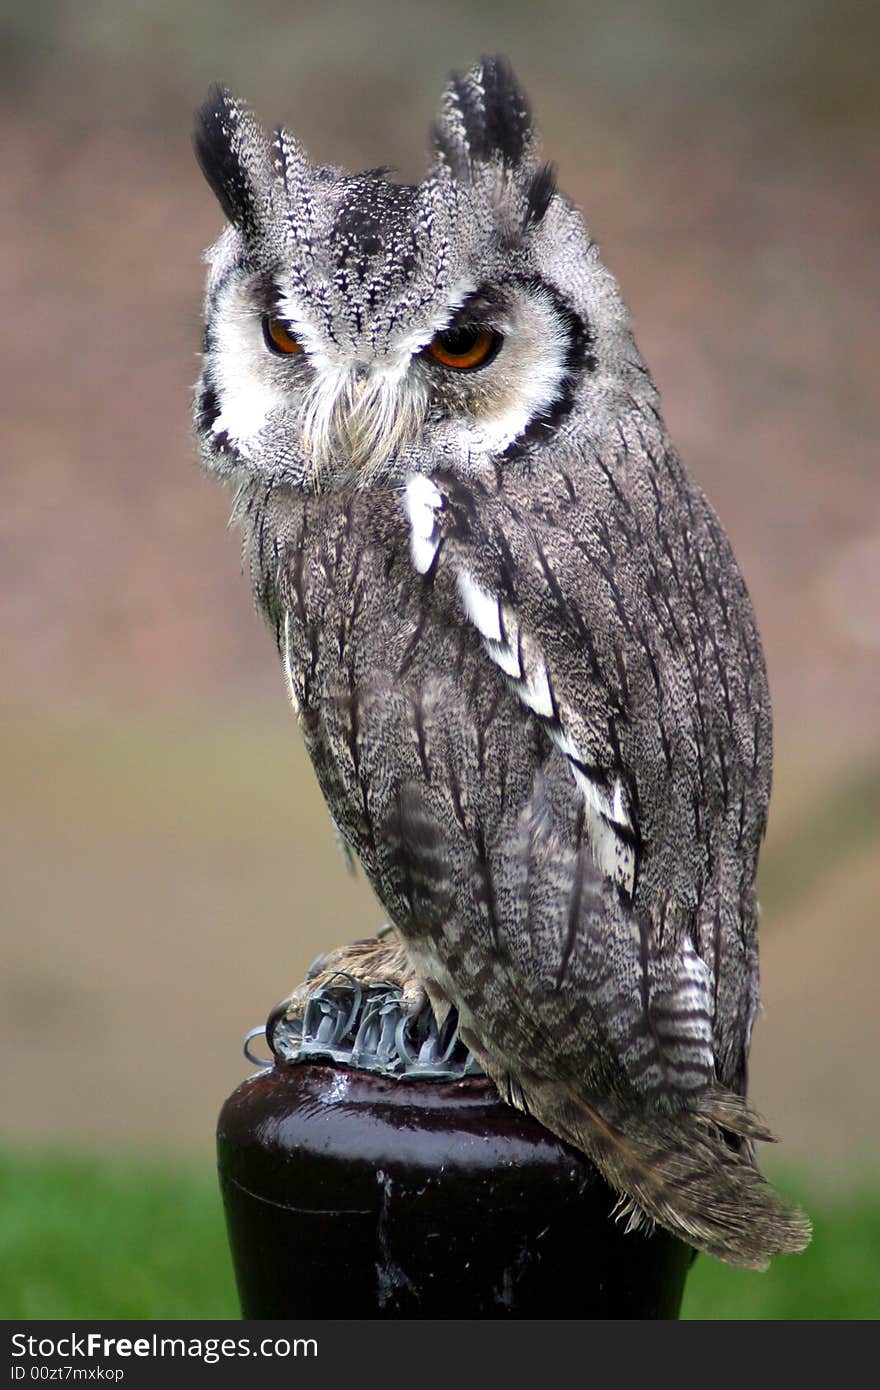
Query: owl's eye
{"points": [[465, 348], [278, 338]]}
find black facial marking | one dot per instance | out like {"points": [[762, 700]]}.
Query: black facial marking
{"points": [[207, 408], [578, 359]]}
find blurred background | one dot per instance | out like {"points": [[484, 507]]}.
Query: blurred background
{"points": [[167, 868]]}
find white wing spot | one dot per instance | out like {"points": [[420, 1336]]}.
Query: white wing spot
{"points": [[612, 854], [505, 655], [535, 691], [618, 810], [423, 501], [596, 802], [565, 743], [481, 607]]}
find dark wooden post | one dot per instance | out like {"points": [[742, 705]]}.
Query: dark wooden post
{"points": [[372, 1172]]}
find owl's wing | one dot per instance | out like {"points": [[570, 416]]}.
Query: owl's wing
{"points": [[557, 617], [570, 646]]}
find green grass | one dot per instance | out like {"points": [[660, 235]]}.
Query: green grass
{"points": [[82, 1237]]}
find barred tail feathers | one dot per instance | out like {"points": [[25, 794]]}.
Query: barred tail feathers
{"points": [[680, 1170]]}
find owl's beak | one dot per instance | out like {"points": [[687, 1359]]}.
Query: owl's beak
{"points": [[368, 415]]}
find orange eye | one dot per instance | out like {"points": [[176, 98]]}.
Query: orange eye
{"points": [[278, 338], [465, 348]]}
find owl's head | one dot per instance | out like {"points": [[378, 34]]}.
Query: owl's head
{"points": [[357, 326]]}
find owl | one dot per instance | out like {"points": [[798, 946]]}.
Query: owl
{"points": [[515, 637]]}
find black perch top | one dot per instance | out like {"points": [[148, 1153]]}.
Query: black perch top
{"points": [[373, 1172]]}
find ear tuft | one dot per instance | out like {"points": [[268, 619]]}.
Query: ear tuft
{"points": [[484, 117], [232, 153], [539, 194]]}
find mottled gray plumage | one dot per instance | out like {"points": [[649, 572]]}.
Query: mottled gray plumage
{"points": [[520, 649]]}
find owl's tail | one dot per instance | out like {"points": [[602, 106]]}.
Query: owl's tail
{"points": [[690, 1172]]}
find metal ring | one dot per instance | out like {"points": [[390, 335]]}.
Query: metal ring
{"points": [[258, 1032]]}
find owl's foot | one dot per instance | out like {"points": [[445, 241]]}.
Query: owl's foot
{"points": [[362, 1006], [377, 960]]}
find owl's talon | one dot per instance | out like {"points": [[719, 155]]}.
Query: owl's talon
{"points": [[374, 960], [413, 998]]}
